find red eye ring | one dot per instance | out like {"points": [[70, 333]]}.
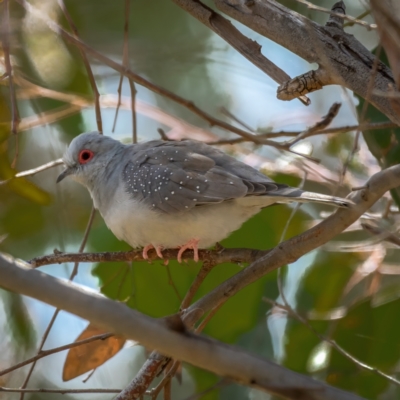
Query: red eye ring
{"points": [[85, 156]]}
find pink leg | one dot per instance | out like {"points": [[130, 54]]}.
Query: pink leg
{"points": [[159, 251], [191, 244], [149, 247], [145, 250]]}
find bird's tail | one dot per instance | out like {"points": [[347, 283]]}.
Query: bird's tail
{"points": [[289, 194]]}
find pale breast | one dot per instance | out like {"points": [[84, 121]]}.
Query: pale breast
{"points": [[135, 223]]}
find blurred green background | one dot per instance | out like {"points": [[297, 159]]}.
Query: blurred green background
{"points": [[348, 295]]}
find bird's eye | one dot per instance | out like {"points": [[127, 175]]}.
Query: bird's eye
{"points": [[85, 156]]}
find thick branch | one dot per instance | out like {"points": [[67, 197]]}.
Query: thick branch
{"points": [[200, 351], [348, 62], [245, 46]]}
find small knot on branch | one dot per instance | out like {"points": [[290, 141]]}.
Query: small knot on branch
{"points": [[335, 20], [302, 84]]}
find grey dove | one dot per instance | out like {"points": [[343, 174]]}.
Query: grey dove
{"points": [[163, 194]]}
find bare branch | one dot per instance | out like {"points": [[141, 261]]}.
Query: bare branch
{"points": [[248, 48], [34, 171], [332, 48], [137, 78], [56, 312], [319, 126], [341, 16], [5, 38], [340, 349], [292, 249], [61, 391], [150, 369], [45, 353], [218, 256], [224, 360], [88, 68]]}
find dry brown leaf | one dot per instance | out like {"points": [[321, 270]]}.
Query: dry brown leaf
{"points": [[91, 355]]}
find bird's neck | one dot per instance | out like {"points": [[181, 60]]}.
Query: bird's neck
{"points": [[104, 183]]}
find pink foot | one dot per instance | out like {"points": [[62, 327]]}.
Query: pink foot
{"points": [[149, 247], [191, 244]]}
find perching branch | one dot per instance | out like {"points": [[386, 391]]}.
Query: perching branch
{"points": [[218, 256]]}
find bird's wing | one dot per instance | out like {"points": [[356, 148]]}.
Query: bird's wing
{"points": [[173, 177]]}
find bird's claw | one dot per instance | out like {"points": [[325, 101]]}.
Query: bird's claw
{"points": [[190, 245], [158, 250]]}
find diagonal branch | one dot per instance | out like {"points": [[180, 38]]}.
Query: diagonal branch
{"points": [[349, 63], [200, 351], [248, 48], [294, 248]]}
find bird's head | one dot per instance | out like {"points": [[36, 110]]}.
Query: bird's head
{"points": [[87, 155]]}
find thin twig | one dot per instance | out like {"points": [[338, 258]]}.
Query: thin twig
{"points": [[319, 126], [90, 375], [341, 129], [87, 66], [167, 390], [383, 234], [153, 87], [340, 349], [363, 111], [34, 171], [150, 111], [227, 113], [84, 240], [126, 64], [119, 91], [44, 338], [55, 314], [343, 16], [167, 378], [171, 283], [121, 78], [62, 391], [163, 135], [282, 238], [208, 317], [45, 353], [361, 16], [204, 271], [5, 38]]}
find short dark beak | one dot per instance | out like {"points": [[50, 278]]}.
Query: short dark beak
{"points": [[64, 174]]}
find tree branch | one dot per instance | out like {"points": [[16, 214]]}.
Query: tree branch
{"points": [[291, 250], [200, 351], [348, 62], [218, 256], [248, 48]]}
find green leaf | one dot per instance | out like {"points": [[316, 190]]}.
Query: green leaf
{"points": [[18, 320], [384, 144]]}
